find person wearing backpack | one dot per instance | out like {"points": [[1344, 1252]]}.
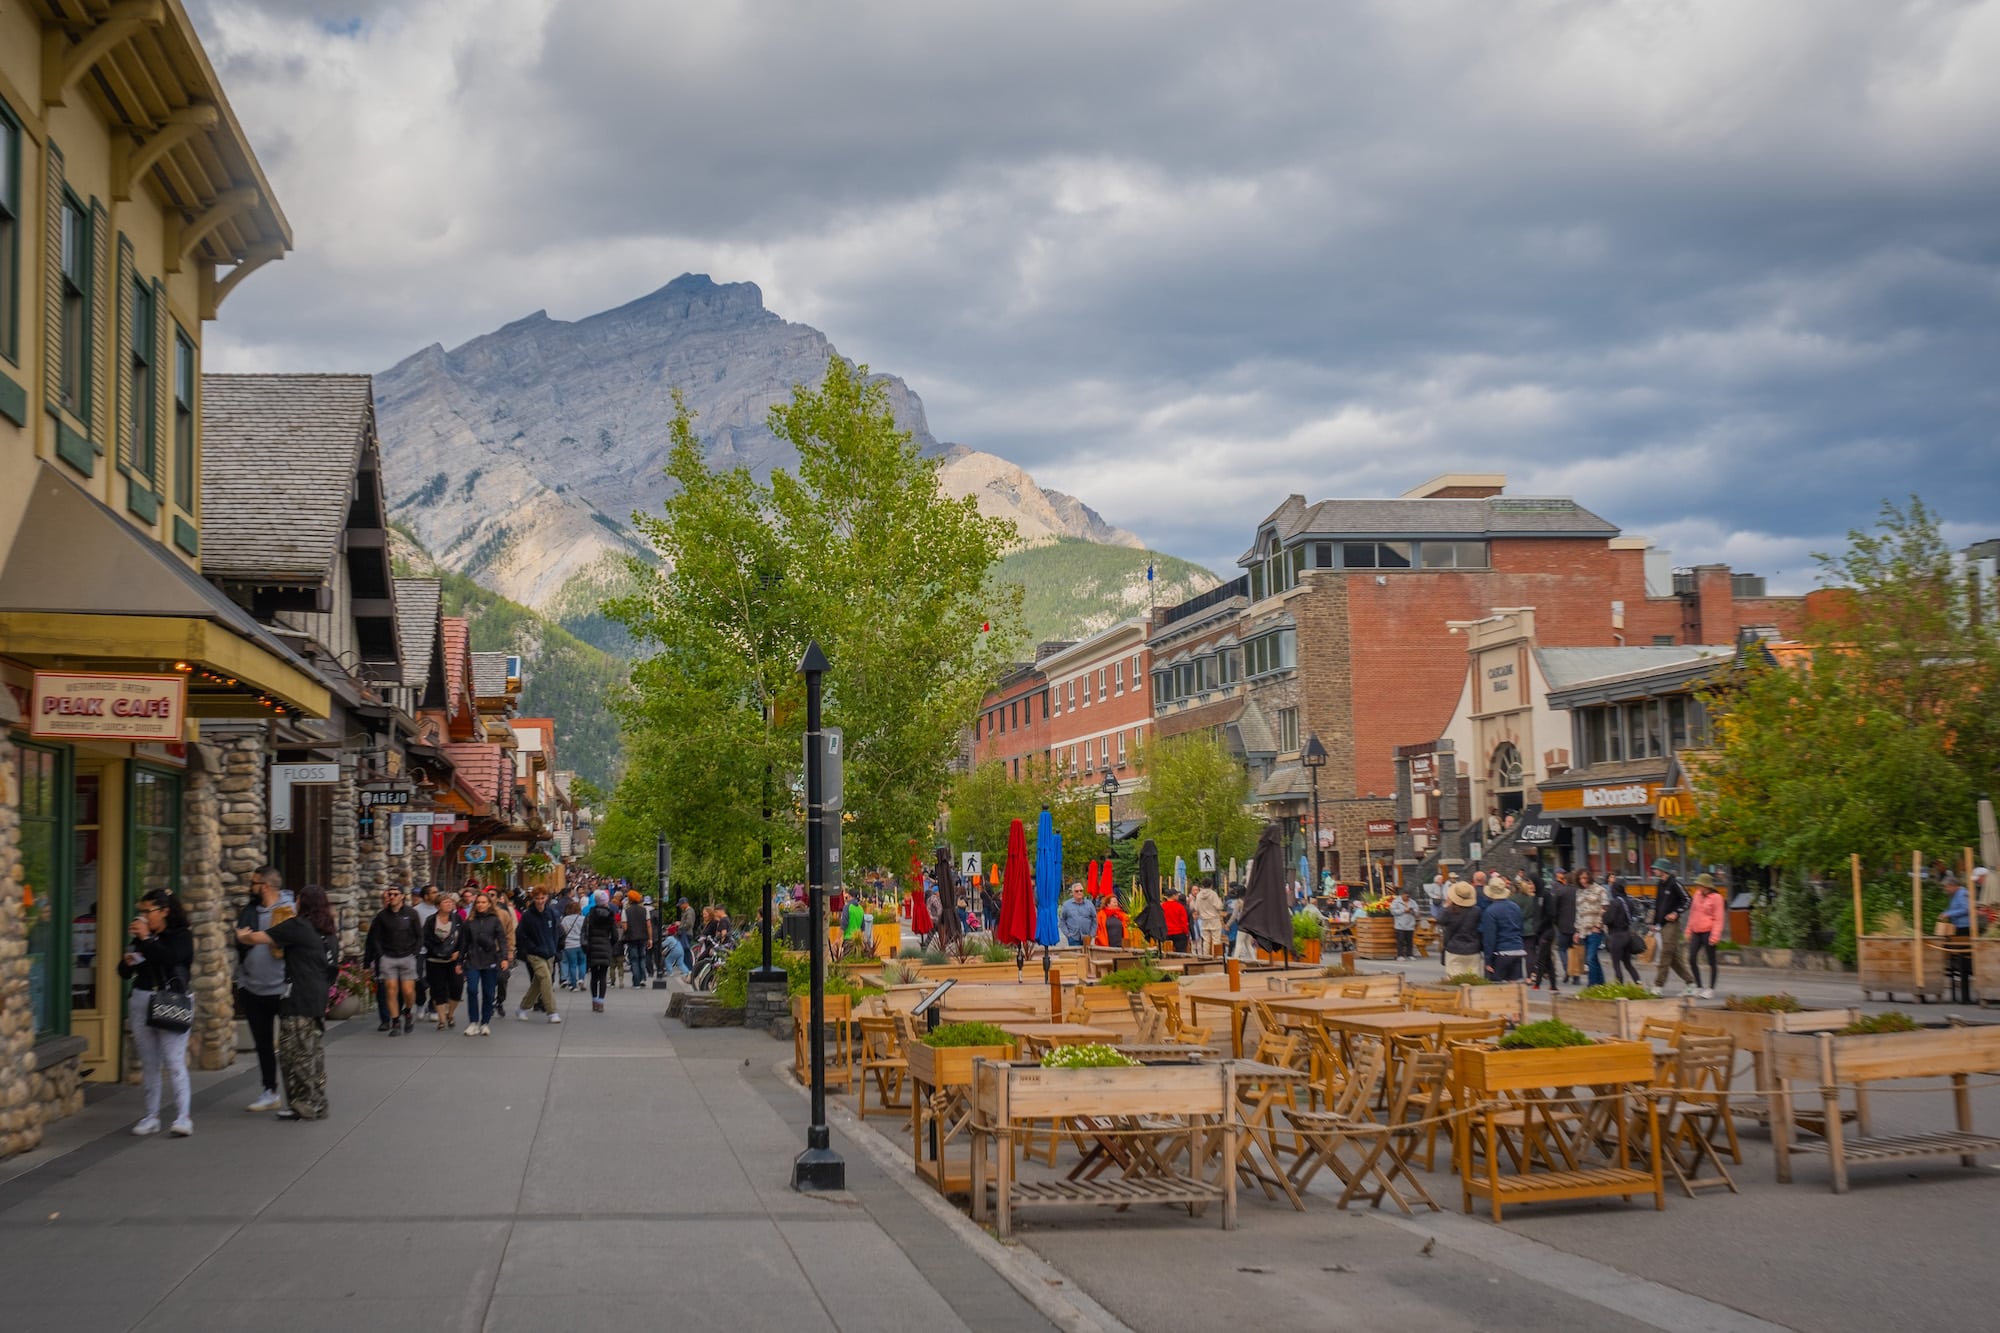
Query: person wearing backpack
{"points": [[311, 942], [1621, 940]]}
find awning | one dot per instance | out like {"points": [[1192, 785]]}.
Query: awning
{"points": [[81, 586], [1536, 830], [1287, 783]]}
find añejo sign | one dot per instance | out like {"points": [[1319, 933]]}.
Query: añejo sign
{"points": [[1597, 798], [108, 707]]}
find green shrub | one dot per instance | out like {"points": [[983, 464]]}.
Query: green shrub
{"points": [[1763, 1004], [967, 1034], [1134, 978], [732, 979], [1893, 1021], [897, 974], [1306, 928], [995, 952], [886, 916], [1616, 990], [1548, 1034], [1092, 1055], [916, 951], [1467, 979], [934, 956]]}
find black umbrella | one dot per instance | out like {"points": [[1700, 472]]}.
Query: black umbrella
{"points": [[1267, 910], [1152, 917], [950, 925]]}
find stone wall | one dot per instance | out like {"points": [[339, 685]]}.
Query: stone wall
{"points": [[243, 836], [212, 913], [20, 1126], [343, 888]]}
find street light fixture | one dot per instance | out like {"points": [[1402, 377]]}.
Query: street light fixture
{"points": [[1110, 790], [1314, 759]]}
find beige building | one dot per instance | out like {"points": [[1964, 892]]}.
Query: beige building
{"points": [[131, 206]]}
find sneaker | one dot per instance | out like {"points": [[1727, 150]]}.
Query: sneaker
{"points": [[597, 1006], [384, 1027], [409, 1021], [268, 1102], [472, 1029], [395, 1029], [288, 1115], [182, 1128], [499, 1011], [1708, 992], [522, 1014], [150, 1125], [555, 1018]]}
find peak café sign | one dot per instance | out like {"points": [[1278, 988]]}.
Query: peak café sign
{"points": [[108, 707]]}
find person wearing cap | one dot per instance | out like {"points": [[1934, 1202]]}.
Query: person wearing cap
{"points": [[1670, 905], [1957, 917], [1500, 934], [1458, 931]]}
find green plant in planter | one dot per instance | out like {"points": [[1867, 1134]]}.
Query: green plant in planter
{"points": [[1306, 928], [886, 916], [913, 951], [897, 974], [1133, 978], [967, 1034], [934, 956], [1467, 979], [1548, 1034], [1763, 1004], [994, 952], [1893, 1021], [1092, 1055], [1616, 990], [537, 863]]}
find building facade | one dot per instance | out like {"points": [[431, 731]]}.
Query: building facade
{"points": [[1100, 712]]}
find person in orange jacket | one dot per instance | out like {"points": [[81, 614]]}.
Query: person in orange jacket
{"points": [[1113, 912]]}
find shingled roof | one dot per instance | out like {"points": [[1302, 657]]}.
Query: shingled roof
{"points": [[417, 605], [278, 460], [489, 675], [1443, 520]]}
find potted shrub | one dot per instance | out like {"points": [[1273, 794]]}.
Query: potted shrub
{"points": [[352, 987], [1616, 1009], [1306, 927], [1375, 931], [944, 1058], [888, 932]]}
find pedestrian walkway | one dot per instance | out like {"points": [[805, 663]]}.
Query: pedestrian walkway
{"points": [[604, 1173]]}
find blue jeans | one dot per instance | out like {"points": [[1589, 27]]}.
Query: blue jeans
{"points": [[572, 966], [1593, 969], [635, 962], [674, 955], [482, 985]]}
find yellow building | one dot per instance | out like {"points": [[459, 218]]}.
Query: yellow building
{"points": [[131, 206]]}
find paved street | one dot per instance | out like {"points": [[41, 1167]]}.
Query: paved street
{"points": [[623, 1171]]}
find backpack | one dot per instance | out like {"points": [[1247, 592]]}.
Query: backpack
{"points": [[1114, 932], [1617, 915]]}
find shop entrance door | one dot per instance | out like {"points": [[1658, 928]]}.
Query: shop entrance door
{"points": [[98, 919]]}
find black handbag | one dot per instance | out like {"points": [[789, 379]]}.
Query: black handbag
{"points": [[170, 1010]]}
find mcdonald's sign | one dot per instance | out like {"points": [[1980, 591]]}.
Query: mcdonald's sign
{"points": [[1675, 804]]}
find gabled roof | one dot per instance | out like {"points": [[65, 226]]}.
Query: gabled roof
{"points": [[1563, 667], [479, 767], [489, 675], [456, 668], [1443, 520], [418, 602], [279, 455]]}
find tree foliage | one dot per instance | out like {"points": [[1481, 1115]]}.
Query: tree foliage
{"points": [[1194, 798], [856, 549], [987, 799], [1878, 738]]}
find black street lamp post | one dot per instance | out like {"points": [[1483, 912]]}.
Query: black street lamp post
{"points": [[819, 1167], [1314, 759], [1110, 789]]}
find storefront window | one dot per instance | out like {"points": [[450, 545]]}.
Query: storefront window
{"points": [[44, 895], [156, 832], [86, 843]]}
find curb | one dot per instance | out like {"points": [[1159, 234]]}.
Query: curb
{"points": [[1052, 1292]]}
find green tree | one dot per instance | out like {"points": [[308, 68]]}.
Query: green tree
{"points": [[859, 550], [1194, 798]]}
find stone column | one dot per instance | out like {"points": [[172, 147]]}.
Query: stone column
{"points": [[343, 887], [213, 916], [20, 1125]]}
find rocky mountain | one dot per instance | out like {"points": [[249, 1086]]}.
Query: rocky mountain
{"points": [[1075, 588], [518, 458]]}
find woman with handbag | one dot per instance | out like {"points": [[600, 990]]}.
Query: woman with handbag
{"points": [[311, 942], [444, 954], [159, 959]]}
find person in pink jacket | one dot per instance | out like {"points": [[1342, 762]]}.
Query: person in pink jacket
{"points": [[1704, 929]]}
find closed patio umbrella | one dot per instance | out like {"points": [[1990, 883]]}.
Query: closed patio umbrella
{"points": [[1017, 903], [920, 908], [950, 923], [1152, 917], [1267, 912], [1048, 884], [1090, 885], [1180, 873]]}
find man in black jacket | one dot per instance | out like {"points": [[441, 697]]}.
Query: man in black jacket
{"points": [[394, 938], [1670, 905], [539, 938]]}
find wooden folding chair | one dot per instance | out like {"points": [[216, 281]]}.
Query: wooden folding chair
{"points": [[881, 1059], [1322, 1134], [1177, 1028], [1429, 1096], [1697, 1113]]}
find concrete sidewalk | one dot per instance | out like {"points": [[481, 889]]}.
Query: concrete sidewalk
{"points": [[601, 1173]]}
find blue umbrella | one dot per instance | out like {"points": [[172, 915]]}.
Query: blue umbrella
{"points": [[1048, 880], [1180, 872]]}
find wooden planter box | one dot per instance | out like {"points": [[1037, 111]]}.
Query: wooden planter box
{"points": [[1748, 1030], [1375, 937], [1614, 1018], [1486, 1075], [888, 939], [1887, 966], [1306, 951], [1504, 999], [938, 1141], [1986, 969], [951, 1066], [1830, 1062], [1008, 1099]]}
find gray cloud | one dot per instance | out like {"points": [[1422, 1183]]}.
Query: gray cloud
{"points": [[1728, 273]]}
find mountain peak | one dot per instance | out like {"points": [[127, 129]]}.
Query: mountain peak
{"points": [[694, 294]]}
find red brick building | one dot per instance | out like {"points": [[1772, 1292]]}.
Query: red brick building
{"points": [[1013, 723], [1100, 711], [1339, 628]]}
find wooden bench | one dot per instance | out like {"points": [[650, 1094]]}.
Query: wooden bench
{"points": [[1832, 1062]]}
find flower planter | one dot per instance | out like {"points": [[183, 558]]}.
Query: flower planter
{"points": [[1306, 951], [1888, 966], [1615, 1018], [347, 1006], [1375, 937], [951, 1066], [1986, 969], [1749, 1031], [888, 939]]}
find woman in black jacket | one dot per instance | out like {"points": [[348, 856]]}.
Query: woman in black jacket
{"points": [[1458, 931], [487, 953], [444, 961], [1622, 940], [600, 946], [311, 942], [160, 956]]}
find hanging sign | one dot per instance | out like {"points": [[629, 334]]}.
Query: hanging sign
{"points": [[108, 707], [286, 776]]}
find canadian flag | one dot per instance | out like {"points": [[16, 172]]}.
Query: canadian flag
{"points": [[985, 627]]}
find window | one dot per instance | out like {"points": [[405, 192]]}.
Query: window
{"points": [[184, 459], [1121, 749], [43, 782], [1136, 673], [1069, 690], [1663, 640], [1228, 666], [1014, 714], [1677, 723], [1163, 687], [75, 340], [976, 724], [1288, 730], [10, 236], [1323, 555], [144, 446], [1453, 555], [1276, 651], [1045, 705], [1104, 751], [1118, 676], [1086, 689], [1086, 756], [1635, 731]]}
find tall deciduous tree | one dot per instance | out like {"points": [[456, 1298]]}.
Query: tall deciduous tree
{"points": [[857, 549], [1194, 798]]}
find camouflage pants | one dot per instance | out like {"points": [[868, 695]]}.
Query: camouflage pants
{"points": [[302, 1059]]}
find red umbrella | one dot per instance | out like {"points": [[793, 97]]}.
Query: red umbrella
{"points": [[1090, 879], [1017, 902], [920, 909]]}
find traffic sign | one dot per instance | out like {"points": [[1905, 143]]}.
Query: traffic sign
{"points": [[832, 788], [968, 864], [1205, 860]]}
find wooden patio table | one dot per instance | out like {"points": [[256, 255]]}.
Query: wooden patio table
{"points": [[1236, 1003]]}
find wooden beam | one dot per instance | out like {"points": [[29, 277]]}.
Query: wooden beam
{"points": [[373, 608], [63, 64], [130, 160], [184, 238], [215, 293]]}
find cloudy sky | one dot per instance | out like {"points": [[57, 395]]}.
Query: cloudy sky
{"points": [[1727, 272]]}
